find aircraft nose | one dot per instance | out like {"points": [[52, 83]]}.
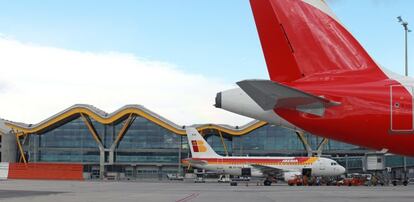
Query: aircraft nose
{"points": [[341, 170]]}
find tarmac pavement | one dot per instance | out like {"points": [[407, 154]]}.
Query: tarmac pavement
{"points": [[103, 191]]}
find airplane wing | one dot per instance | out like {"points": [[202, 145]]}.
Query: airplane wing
{"points": [[269, 170], [196, 162], [270, 95]]}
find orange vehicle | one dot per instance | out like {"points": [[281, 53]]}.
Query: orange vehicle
{"points": [[354, 180], [299, 181], [295, 181]]}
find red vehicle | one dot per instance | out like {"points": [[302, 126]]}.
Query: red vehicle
{"points": [[353, 181], [322, 81], [298, 181]]}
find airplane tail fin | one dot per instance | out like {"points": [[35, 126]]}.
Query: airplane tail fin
{"points": [[198, 145], [303, 37]]}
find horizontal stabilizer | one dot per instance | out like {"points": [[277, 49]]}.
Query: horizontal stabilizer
{"points": [[270, 95]]}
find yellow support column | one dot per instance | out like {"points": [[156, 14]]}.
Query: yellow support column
{"points": [[92, 130], [224, 144], [320, 146], [100, 145], [20, 149], [305, 142], [123, 130], [119, 137]]}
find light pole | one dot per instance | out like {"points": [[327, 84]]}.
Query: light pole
{"points": [[406, 30]]}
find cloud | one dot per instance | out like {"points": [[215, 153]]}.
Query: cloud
{"points": [[2, 87], [44, 80]]}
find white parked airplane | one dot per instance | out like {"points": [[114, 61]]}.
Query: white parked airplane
{"points": [[204, 157]]}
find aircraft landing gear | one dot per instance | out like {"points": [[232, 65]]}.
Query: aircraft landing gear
{"points": [[267, 182]]}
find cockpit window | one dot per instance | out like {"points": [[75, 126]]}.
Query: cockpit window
{"points": [[333, 164]]}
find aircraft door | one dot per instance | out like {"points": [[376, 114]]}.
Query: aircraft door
{"points": [[246, 172], [321, 167], [307, 172], [401, 109]]}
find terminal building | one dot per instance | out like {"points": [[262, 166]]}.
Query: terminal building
{"points": [[134, 143]]}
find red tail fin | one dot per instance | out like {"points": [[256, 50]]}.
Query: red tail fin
{"points": [[303, 37]]}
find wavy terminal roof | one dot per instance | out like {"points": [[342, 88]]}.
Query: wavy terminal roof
{"points": [[105, 118]]}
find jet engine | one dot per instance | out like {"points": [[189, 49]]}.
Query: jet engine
{"points": [[237, 101]]}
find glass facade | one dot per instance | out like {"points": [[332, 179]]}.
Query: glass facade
{"points": [[350, 163], [144, 142], [398, 161], [215, 141], [269, 140], [107, 133], [74, 134], [144, 134], [264, 141], [331, 146], [338, 146], [147, 142], [71, 142]]}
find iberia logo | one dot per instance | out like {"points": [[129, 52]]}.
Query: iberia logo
{"points": [[198, 146]]}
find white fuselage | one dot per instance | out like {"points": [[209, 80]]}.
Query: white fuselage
{"points": [[232, 165]]}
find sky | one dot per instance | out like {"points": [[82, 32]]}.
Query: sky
{"points": [[170, 56]]}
